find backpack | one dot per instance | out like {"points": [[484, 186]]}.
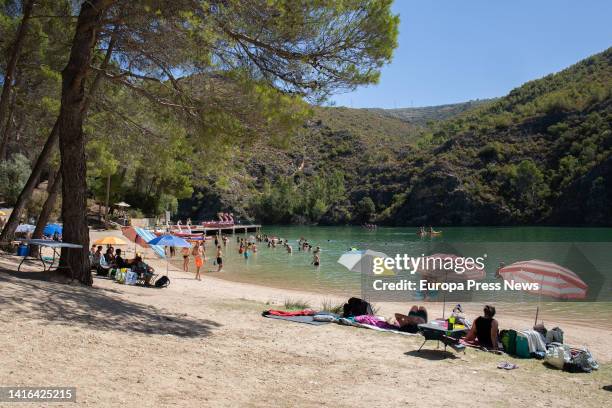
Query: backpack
{"points": [[554, 336], [356, 307], [162, 282]]}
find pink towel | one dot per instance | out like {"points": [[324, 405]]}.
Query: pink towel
{"points": [[375, 321]]}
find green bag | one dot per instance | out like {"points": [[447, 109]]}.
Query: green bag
{"points": [[508, 339]]}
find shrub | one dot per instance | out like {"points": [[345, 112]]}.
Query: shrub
{"points": [[14, 174]]}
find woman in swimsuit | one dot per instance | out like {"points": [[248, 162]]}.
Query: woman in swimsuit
{"points": [[485, 329], [219, 258], [185, 253]]}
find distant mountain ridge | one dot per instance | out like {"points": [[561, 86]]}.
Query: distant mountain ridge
{"points": [[425, 114]]}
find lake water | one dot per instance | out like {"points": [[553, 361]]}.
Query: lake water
{"points": [[587, 251]]}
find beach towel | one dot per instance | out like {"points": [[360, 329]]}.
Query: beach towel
{"points": [[350, 321], [375, 321], [535, 341], [304, 312], [297, 319]]}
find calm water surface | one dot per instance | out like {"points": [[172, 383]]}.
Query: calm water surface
{"points": [[588, 251]]}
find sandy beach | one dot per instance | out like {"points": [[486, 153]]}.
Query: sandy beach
{"points": [[204, 343]]}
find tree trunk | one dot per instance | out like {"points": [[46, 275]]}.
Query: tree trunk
{"points": [[7, 132], [72, 141], [47, 208], [8, 232], [11, 66], [106, 202]]}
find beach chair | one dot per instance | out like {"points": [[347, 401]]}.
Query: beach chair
{"points": [[448, 338]]}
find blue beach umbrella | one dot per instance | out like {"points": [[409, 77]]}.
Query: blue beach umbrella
{"points": [[51, 229], [169, 240]]}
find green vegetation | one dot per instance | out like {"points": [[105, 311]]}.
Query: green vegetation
{"points": [[519, 158], [542, 154], [296, 304], [159, 98], [13, 175], [331, 307]]}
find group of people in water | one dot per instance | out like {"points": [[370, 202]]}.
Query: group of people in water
{"points": [[302, 245], [427, 232], [246, 248]]}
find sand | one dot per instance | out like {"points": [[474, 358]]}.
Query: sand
{"points": [[206, 344]]}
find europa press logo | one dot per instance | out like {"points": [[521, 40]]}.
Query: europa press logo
{"points": [[364, 261]]}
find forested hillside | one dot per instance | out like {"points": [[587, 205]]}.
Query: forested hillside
{"points": [[541, 154]]}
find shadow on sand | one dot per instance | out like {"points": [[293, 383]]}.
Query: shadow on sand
{"points": [[30, 295], [433, 355]]}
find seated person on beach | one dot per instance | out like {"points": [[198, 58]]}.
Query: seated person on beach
{"points": [[417, 315], [485, 329], [109, 256], [119, 262], [143, 269], [96, 256]]}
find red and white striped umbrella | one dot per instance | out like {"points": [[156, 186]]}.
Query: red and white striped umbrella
{"points": [[443, 268], [555, 280]]}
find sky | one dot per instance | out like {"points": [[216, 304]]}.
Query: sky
{"points": [[458, 50]]}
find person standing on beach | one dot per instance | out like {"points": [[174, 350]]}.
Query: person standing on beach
{"points": [[219, 258], [199, 257], [185, 253], [225, 239]]}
